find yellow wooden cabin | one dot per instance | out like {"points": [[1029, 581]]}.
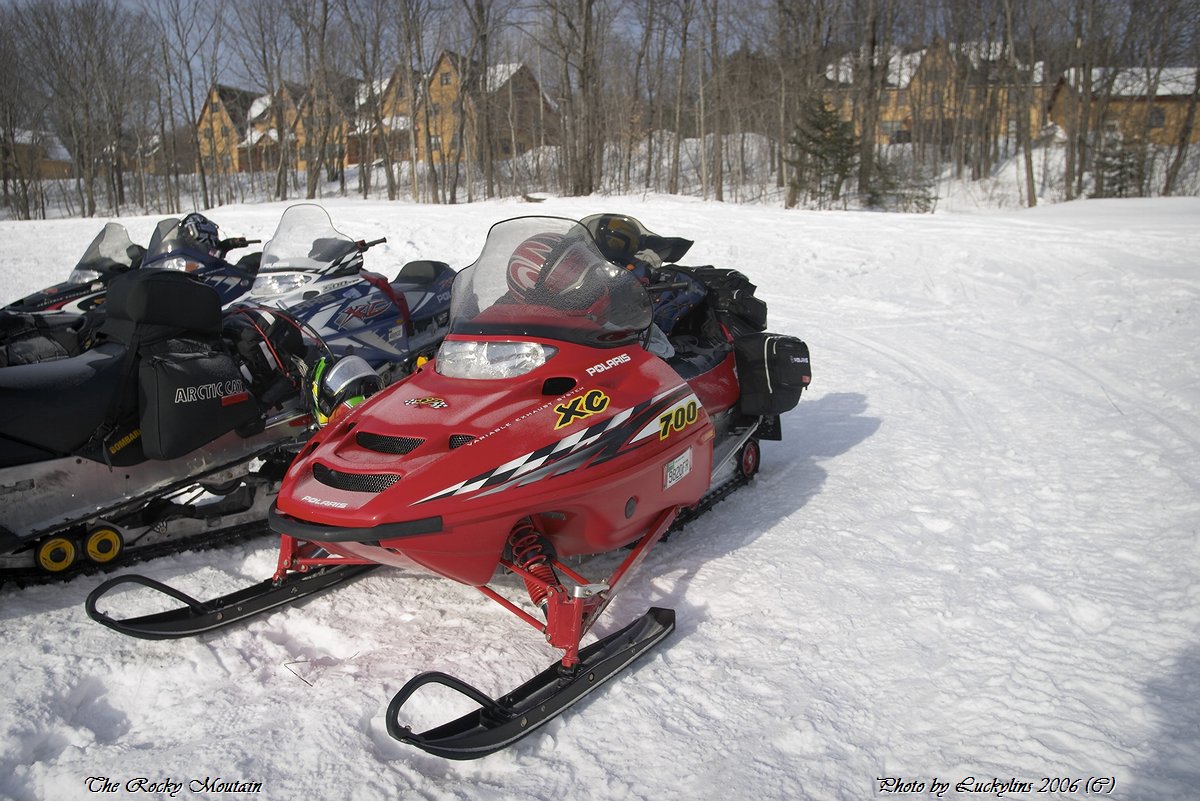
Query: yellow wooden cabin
{"points": [[1139, 104], [522, 117]]}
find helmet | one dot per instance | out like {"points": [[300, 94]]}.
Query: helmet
{"points": [[618, 238], [545, 267], [336, 387], [203, 232]]}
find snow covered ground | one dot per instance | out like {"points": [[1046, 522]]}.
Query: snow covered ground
{"points": [[974, 558]]}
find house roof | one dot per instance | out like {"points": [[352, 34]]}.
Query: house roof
{"points": [[50, 144], [237, 102], [1140, 82]]}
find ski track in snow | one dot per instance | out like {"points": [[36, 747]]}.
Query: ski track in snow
{"points": [[976, 552]]}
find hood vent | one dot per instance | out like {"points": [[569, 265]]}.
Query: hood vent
{"points": [[381, 443], [458, 440], [354, 482]]}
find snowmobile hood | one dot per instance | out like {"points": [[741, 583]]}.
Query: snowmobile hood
{"points": [[433, 445]]}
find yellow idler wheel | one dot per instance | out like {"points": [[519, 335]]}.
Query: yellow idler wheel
{"points": [[56, 554], [103, 544]]}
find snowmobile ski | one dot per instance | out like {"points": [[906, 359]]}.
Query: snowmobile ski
{"points": [[198, 617], [500, 723]]}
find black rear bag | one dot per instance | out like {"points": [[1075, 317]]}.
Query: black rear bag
{"points": [[189, 397], [732, 296], [773, 369]]}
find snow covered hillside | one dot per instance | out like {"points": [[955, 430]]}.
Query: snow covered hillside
{"points": [[974, 558]]}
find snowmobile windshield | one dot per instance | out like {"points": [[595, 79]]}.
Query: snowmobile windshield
{"points": [[621, 238], [306, 241], [544, 277], [111, 252], [171, 248]]}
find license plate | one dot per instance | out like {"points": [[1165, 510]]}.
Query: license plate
{"points": [[677, 468]]}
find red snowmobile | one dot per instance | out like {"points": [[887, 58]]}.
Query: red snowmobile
{"points": [[543, 431]]}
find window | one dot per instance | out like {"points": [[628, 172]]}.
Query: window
{"points": [[445, 76], [1158, 117]]}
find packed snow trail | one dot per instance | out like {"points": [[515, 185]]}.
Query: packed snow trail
{"points": [[974, 557]]}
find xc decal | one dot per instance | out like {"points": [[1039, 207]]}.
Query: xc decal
{"points": [[592, 402]]}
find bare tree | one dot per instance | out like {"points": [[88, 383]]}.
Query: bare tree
{"points": [[267, 44]]}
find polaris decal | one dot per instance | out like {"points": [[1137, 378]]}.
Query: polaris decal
{"points": [[323, 502], [431, 402], [587, 447], [615, 361], [592, 402], [202, 392]]}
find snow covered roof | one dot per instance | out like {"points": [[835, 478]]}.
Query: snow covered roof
{"points": [[500, 74], [900, 65], [1140, 82], [363, 94], [254, 136], [259, 107], [51, 144]]}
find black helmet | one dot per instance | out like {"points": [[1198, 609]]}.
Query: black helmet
{"points": [[202, 231], [618, 237]]}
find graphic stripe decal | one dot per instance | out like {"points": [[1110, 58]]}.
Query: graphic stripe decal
{"points": [[606, 440]]}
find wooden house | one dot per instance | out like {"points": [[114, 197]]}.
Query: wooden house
{"points": [[456, 96], [1141, 105], [383, 117], [926, 94], [33, 155], [223, 123]]}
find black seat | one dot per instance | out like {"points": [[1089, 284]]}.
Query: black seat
{"points": [[422, 271], [58, 405]]}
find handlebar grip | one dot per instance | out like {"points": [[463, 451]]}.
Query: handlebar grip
{"points": [[665, 285], [367, 245]]}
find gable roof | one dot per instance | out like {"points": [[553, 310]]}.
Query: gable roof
{"points": [[237, 102]]}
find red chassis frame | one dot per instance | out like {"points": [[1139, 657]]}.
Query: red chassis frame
{"points": [[570, 613]]}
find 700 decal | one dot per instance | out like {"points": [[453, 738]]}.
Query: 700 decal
{"points": [[678, 419]]}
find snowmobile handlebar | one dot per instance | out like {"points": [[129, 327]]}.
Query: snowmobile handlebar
{"points": [[666, 285], [363, 245], [236, 242]]}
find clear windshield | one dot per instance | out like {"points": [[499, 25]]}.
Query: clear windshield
{"points": [[305, 240], [171, 248], [545, 277], [111, 251]]}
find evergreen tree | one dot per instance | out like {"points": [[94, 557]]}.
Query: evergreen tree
{"points": [[825, 152]]}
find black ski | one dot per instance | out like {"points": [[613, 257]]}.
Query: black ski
{"points": [[497, 724], [197, 617]]}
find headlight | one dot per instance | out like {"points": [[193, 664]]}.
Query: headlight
{"points": [[176, 263], [277, 283], [79, 276], [457, 359]]}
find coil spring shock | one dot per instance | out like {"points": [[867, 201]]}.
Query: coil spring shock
{"points": [[530, 552]]}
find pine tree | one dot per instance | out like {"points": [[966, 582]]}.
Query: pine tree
{"points": [[825, 152]]}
